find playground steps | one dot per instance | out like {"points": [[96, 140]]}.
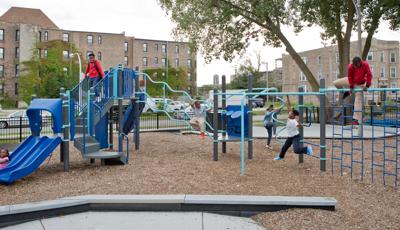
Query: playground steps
{"points": [[105, 106]]}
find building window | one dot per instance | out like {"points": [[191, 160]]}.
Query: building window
{"points": [[304, 88], [16, 52], [176, 49], [1, 53], [126, 46], [126, 60], [319, 59], [99, 56], [16, 89], [337, 58], [2, 89], [45, 53], [176, 62], [320, 75], [164, 62], [1, 34], [99, 39], [164, 48], [1, 70], [156, 47], [46, 36], [382, 56], [17, 70], [393, 85], [189, 75], [145, 61], [393, 73], [156, 60], [392, 57], [65, 54], [304, 59], [370, 56], [65, 37], [144, 47], [90, 39], [382, 75], [372, 71], [337, 74], [65, 69], [40, 36], [302, 77], [189, 52], [17, 35], [189, 63]]}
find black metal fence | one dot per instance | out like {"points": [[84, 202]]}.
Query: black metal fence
{"points": [[17, 129]]}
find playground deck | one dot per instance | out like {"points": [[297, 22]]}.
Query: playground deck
{"points": [[182, 164]]}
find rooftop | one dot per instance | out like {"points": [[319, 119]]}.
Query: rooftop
{"points": [[28, 16]]}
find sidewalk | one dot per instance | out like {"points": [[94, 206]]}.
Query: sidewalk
{"points": [[313, 132]]}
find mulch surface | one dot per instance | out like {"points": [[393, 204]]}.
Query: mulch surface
{"points": [[182, 164]]}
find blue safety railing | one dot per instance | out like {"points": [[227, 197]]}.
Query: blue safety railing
{"points": [[167, 108]]}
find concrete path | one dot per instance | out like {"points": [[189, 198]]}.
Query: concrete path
{"points": [[140, 221], [313, 132]]}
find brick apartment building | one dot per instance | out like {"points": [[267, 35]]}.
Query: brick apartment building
{"points": [[383, 59], [22, 28]]}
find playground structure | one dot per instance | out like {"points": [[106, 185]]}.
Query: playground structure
{"points": [[84, 115]]}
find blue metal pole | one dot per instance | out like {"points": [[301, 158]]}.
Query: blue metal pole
{"points": [[242, 132]]}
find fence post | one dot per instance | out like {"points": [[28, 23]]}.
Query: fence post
{"points": [[301, 119], [20, 129], [158, 121], [322, 127]]}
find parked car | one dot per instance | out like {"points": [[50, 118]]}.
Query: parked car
{"points": [[258, 102], [186, 114], [18, 118], [171, 105]]}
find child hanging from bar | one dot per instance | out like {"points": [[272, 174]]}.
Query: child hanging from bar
{"points": [[294, 137]]}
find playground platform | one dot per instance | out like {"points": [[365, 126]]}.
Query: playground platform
{"points": [[313, 132]]}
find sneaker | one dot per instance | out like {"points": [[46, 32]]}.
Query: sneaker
{"points": [[278, 158], [309, 151], [355, 122], [268, 147]]}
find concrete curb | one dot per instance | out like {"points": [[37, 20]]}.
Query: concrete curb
{"points": [[222, 204]]}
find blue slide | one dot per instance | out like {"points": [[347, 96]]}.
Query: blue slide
{"points": [[28, 156]]}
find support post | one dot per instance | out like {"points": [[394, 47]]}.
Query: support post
{"points": [[137, 115], [223, 114], [301, 119], [250, 116], [215, 118], [64, 149], [119, 94], [322, 127], [111, 129]]}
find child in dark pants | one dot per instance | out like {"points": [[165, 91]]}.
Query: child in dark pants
{"points": [[293, 136]]}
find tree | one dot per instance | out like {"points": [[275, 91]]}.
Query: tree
{"points": [[176, 79], [337, 18], [225, 28], [44, 76], [244, 70]]}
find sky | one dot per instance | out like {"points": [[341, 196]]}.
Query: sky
{"points": [[146, 19]]}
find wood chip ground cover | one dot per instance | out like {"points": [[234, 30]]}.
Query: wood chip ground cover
{"points": [[182, 164]]}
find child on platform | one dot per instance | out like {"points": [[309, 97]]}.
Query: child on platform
{"points": [[294, 137], [4, 158]]}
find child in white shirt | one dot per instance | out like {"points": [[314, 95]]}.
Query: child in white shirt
{"points": [[294, 137]]}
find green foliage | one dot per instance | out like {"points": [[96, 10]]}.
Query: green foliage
{"points": [[176, 79], [7, 102], [45, 76]]}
